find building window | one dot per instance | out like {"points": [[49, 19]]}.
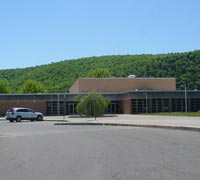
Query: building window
{"points": [[159, 105], [178, 105], [71, 108], [54, 108], [139, 106], [195, 105], [113, 108]]}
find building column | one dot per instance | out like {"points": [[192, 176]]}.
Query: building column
{"points": [[126, 106]]}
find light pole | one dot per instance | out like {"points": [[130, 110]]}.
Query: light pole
{"points": [[95, 107], [185, 98], [64, 97], [146, 102]]}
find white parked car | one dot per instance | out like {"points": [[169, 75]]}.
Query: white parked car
{"points": [[18, 114]]}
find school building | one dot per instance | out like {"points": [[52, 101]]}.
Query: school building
{"points": [[126, 95]]}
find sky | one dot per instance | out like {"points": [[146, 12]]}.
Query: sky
{"points": [[37, 32]]}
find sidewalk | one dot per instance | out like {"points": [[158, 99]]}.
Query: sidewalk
{"points": [[169, 122]]}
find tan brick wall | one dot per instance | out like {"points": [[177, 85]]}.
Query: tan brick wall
{"points": [[75, 87], [122, 84]]}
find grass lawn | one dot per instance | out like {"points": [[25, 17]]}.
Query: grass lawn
{"points": [[190, 114]]}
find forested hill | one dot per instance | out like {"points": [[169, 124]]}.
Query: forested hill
{"points": [[58, 77]]}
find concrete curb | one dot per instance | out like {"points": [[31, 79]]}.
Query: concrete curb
{"points": [[133, 125], [63, 121]]}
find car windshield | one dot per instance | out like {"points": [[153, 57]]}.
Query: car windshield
{"points": [[10, 110]]}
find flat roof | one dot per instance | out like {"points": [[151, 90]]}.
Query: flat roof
{"points": [[122, 78]]}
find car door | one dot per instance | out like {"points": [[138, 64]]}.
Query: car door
{"points": [[24, 113], [31, 114]]}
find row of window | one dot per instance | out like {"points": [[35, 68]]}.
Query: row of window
{"points": [[138, 106], [57, 108], [163, 105]]}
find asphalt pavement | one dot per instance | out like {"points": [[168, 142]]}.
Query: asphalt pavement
{"points": [[41, 150]]}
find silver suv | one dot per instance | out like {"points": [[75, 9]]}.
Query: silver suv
{"points": [[19, 114]]}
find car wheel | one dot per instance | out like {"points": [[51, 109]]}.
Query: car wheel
{"points": [[39, 118], [18, 119]]}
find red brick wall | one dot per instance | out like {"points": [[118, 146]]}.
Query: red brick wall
{"points": [[35, 105]]}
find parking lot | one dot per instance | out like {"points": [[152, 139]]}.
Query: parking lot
{"points": [[41, 150]]}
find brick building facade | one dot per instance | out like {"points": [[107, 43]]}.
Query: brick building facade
{"points": [[127, 96]]}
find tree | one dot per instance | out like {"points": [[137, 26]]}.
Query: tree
{"points": [[4, 86], [58, 77], [92, 104], [99, 73], [31, 86]]}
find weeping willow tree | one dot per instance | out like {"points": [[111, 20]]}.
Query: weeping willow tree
{"points": [[91, 105]]}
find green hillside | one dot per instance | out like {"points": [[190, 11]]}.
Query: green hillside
{"points": [[58, 77]]}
